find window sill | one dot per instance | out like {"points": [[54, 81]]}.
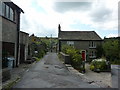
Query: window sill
{"points": [[92, 56], [8, 19], [92, 47]]}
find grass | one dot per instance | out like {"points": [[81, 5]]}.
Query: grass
{"points": [[11, 84], [115, 62], [37, 59]]}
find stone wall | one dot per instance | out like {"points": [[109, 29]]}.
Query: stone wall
{"points": [[83, 45], [23, 45], [9, 31], [65, 58]]}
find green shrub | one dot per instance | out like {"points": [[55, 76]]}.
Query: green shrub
{"points": [[65, 48], [100, 64], [116, 62], [77, 59], [75, 56], [37, 59], [41, 54], [92, 67], [71, 52]]}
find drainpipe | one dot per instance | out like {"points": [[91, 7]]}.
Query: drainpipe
{"points": [[18, 30]]}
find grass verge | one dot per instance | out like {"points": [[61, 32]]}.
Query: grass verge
{"points": [[11, 84]]}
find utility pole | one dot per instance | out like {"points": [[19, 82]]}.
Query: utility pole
{"points": [[51, 43]]}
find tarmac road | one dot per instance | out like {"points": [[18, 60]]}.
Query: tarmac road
{"points": [[51, 73]]}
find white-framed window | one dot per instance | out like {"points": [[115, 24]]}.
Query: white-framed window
{"points": [[71, 43], [92, 54], [92, 44]]}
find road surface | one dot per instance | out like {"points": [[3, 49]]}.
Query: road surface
{"points": [[51, 73]]}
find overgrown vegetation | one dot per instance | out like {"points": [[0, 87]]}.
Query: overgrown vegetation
{"points": [[110, 50], [100, 65], [75, 56]]}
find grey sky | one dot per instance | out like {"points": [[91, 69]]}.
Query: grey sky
{"points": [[42, 17], [71, 6]]}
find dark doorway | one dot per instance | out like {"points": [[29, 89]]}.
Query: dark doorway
{"points": [[22, 53], [7, 49]]}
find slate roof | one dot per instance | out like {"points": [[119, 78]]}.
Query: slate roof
{"points": [[78, 35]]}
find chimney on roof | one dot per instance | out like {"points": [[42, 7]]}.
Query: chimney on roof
{"points": [[59, 28]]}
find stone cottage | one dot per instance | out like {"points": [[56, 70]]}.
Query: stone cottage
{"points": [[10, 17], [86, 41]]}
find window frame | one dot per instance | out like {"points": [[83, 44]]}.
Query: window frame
{"points": [[71, 43], [11, 14], [3, 9], [92, 54], [92, 44], [6, 12]]}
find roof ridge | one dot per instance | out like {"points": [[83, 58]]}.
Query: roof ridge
{"points": [[77, 31]]}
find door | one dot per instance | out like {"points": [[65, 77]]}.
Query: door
{"points": [[83, 55]]}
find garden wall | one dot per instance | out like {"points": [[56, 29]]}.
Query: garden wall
{"points": [[65, 57]]}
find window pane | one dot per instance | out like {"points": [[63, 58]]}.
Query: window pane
{"points": [[3, 9], [0, 7], [7, 11], [11, 14], [70, 42]]}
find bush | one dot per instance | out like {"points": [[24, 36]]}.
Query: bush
{"points": [[77, 59], [75, 56], [65, 48], [99, 64], [116, 62], [111, 50], [92, 67]]}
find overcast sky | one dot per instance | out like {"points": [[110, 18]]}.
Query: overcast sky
{"points": [[42, 17]]}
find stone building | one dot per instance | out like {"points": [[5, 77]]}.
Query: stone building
{"points": [[23, 46], [10, 17], [86, 41]]}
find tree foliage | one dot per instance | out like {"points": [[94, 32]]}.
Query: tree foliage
{"points": [[75, 55], [100, 51], [111, 50]]}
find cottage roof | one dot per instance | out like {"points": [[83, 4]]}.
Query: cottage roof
{"points": [[78, 35]]}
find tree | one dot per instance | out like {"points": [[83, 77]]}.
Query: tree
{"points": [[111, 50], [99, 51]]}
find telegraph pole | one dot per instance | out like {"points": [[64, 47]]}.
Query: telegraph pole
{"points": [[51, 43]]}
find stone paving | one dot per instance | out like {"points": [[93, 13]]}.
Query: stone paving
{"points": [[16, 74], [102, 79]]}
